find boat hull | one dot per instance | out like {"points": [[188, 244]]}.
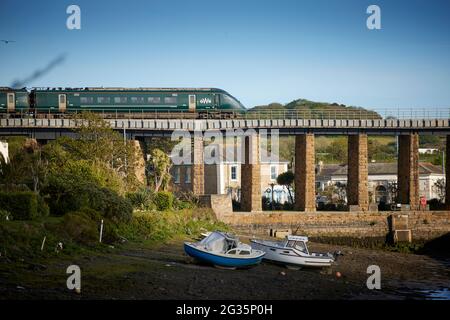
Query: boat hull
{"points": [[221, 260], [288, 257]]}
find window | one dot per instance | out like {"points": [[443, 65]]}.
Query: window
{"points": [[233, 173], [22, 100], [176, 177], [273, 173], [137, 99], [62, 98], [120, 100], [103, 99], [216, 100], [187, 175], [299, 245], [154, 100], [11, 98], [170, 100], [87, 100]]}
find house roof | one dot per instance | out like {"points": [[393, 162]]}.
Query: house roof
{"points": [[377, 168]]}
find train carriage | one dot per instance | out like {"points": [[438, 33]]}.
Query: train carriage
{"points": [[14, 100], [202, 102]]}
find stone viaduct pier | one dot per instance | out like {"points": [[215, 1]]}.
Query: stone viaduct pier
{"points": [[304, 130]]}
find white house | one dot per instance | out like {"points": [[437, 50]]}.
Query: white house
{"points": [[381, 175], [225, 178]]}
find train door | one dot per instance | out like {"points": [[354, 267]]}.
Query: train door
{"points": [[192, 103], [62, 103], [216, 101], [11, 103]]}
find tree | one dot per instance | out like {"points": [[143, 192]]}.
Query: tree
{"points": [[98, 143], [286, 179], [160, 164], [338, 150], [25, 168]]}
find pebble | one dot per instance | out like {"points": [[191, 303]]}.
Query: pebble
{"points": [[338, 274], [283, 273]]}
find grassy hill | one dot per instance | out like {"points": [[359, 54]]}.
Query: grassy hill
{"points": [[311, 109]]}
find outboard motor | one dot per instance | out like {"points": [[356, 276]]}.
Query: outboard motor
{"points": [[336, 254]]}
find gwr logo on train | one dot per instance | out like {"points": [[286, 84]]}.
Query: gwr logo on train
{"points": [[205, 101]]}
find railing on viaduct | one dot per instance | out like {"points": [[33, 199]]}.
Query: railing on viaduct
{"points": [[332, 114]]}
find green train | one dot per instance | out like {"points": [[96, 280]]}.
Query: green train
{"points": [[139, 102]]}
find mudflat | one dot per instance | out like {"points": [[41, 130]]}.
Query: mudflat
{"points": [[163, 271]]}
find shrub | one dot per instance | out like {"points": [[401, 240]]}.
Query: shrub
{"points": [[109, 204], [43, 209], [163, 200], [22, 205], [141, 200], [115, 207], [80, 227]]}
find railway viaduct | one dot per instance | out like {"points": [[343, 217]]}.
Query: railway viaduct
{"points": [[304, 130]]}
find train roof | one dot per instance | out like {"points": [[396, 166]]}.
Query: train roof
{"points": [[121, 89], [12, 89]]}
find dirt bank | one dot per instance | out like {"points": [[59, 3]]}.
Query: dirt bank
{"points": [[164, 272]]}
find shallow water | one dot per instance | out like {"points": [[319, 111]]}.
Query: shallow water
{"points": [[440, 294]]}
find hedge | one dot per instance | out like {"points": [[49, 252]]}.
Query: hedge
{"points": [[22, 205], [163, 200]]}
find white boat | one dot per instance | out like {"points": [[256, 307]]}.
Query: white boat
{"points": [[293, 252]]}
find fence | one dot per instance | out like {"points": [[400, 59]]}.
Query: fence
{"points": [[334, 114]]}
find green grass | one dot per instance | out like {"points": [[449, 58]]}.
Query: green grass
{"points": [[22, 240]]}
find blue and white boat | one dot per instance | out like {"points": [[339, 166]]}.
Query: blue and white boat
{"points": [[224, 250]]}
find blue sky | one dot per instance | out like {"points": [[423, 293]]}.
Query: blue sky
{"points": [[259, 51]]}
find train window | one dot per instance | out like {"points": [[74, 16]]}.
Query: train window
{"points": [[154, 100], [62, 98], [216, 100], [11, 98], [22, 100], [120, 99], [170, 100], [137, 99], [103, 99], [86, 100]]}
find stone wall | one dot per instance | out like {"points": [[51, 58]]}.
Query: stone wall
{"points": [[198, 166], [425, 225], [219, 203], [408, 170], [357, 180], [305, 174], [251, 175]]}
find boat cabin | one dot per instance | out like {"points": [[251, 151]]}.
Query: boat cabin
{"points": [[297, 243]]}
